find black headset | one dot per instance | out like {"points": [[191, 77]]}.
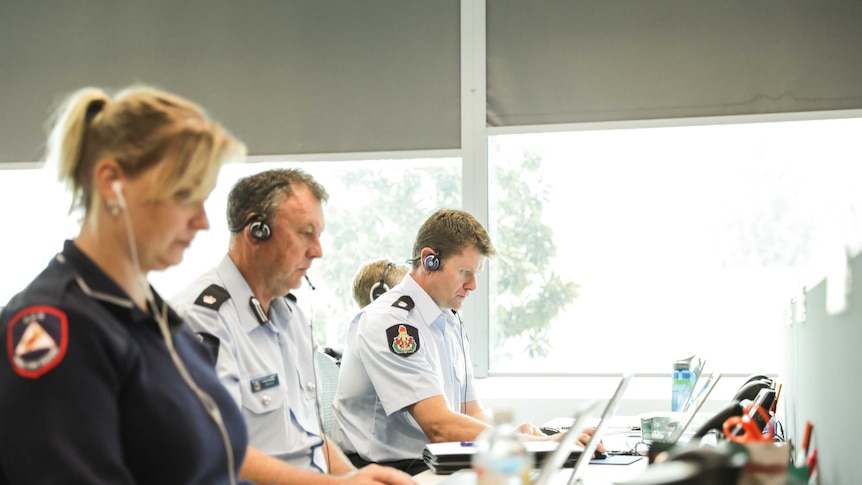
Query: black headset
{"points": [[381, 287], [257, 227]]}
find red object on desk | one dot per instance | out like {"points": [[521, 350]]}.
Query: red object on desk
{"points": [[812, 462]]}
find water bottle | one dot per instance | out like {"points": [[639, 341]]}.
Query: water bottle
{"points": [[501, 457], [683, 380]]}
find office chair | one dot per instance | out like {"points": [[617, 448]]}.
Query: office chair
{"points": [[329, 380]]}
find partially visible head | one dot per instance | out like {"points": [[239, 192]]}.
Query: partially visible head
{"points": [[375, 278], [143, 160], [447, 233], [450, 250], [279, 215], [257, 197]]}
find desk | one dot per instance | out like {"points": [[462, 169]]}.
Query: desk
{"points": [[594, 474]]}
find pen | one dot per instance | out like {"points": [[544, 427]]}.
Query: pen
{"points": [[812, 462], [802, 454], [466, 443], [806, 437]]}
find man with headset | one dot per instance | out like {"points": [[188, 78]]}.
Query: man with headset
{"points": [[406, 378], [261, 341], [376, 278]]}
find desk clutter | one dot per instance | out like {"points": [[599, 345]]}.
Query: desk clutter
{"points": [[742, 444]]}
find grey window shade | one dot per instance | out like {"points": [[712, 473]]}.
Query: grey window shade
{"points": [[561, 61], [287, 77]]}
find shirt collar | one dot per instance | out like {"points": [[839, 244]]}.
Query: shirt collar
{"points": [[102, 288], [424, 304], [239, 290]]}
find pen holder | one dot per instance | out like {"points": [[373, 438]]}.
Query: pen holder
{"points": [[768, 464]]}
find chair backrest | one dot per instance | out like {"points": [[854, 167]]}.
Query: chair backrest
{"points": [[329, 380]]}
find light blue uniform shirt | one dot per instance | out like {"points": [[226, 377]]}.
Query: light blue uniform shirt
{"points": [[377, 382], [269, 369]]}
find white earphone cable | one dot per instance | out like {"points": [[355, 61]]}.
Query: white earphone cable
{"points": [[161, 316]]}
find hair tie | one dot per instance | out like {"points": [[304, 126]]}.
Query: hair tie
{"points": [[94, 108]]}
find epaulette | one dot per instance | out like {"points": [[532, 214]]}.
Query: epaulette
{"points": [[404, 303], [212, 297], [291, 297], [211, 342]]}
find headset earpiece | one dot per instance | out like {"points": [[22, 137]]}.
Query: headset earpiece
{"points": [[381, 287], [431, 262], [257, 227], [259, 230], [377, 290]]}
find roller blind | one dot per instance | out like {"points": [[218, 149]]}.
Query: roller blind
{"points": [[560, 61], [287, 77]]}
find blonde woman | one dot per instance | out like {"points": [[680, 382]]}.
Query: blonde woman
{"points": [[103, 383]]}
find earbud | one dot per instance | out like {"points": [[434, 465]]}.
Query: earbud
{"points": [[117, 187], [431, 262]]}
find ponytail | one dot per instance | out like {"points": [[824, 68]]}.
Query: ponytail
{"points": [[67, 141]]}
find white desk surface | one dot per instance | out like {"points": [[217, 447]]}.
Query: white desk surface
{"points": [[595, 474]]}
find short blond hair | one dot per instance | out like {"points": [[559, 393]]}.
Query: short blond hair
{"points": [[371, 275], [140, 127]]}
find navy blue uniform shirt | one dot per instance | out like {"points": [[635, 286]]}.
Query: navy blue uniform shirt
{"points": [[89, 393]]}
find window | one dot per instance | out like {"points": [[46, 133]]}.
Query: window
{"points": [[374, 210], [625, 249], [35, 223]]}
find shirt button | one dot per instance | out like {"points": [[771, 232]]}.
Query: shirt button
{"points": [[265, 399], [311, 386]]}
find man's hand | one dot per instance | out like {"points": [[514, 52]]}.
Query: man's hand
{"points": [[582, 440], [530, 429], [377, 475]]}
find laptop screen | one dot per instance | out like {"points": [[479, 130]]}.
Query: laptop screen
{"points": [[610, 409], [700, 397]]}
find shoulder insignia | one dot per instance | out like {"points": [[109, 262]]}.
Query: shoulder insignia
{"points": [[405, 303], [211, 342], [291, 297], [37, 338], [212, 297], [402, 339]]}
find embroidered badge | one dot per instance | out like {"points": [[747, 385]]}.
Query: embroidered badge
{"points": [[36, 340], [265, 382], [404, 339]]}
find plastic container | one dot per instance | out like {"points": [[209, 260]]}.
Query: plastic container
{"points": [[501, 457]]}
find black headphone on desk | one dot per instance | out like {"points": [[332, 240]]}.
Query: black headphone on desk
{"points": [[381, 287], [257, 227]]}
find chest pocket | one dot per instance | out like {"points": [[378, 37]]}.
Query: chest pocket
{"points": [[263, 407], [263, 394]]}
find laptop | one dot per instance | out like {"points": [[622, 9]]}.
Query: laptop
{"points": [[581, 465], [696, 403], [554, 462]]}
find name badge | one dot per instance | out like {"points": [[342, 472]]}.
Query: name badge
{"points": [[263, 383]]}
